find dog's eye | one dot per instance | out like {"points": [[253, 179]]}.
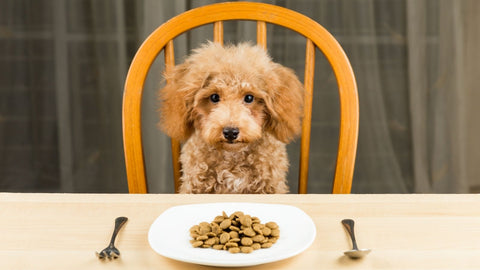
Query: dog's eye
{"points": [[248, 99], [214, 98]]}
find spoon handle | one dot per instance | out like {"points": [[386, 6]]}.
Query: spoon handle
{"points": [[349, 225]]}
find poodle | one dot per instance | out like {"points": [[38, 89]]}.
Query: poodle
{"points": [[234, 110]]}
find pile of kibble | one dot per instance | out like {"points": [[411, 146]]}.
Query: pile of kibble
{"points": [[236, 233]]}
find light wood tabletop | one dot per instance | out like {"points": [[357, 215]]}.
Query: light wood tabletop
{"points": [[63, 231]]}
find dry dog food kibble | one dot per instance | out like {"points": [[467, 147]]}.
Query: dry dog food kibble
{"points": [[237, 233]]}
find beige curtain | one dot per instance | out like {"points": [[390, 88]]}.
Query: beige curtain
{"points": [[63, 64]]}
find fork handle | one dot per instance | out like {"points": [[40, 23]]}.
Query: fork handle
{"points": [[119, 221]]}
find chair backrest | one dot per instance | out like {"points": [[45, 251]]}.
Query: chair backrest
{"points": [[316, 37]]}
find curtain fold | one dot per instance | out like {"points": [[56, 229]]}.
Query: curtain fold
{"points": [[157, 145], [437, 96], [471, 82]]}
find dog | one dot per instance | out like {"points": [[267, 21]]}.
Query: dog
{"points": [[234, 110]]}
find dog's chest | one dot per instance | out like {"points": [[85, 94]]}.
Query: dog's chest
{"points": [[236, 171], [249, 170], [233, 165], [221, 164]]}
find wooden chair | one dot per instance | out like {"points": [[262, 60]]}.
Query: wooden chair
{"points": [[316, 37]]}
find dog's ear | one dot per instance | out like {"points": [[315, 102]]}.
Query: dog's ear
{"points": [[176, 100], [284, 104]]}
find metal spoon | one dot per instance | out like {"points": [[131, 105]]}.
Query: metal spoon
{"points": [[354, 253]]}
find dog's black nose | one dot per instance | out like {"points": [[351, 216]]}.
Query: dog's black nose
{"points": [[230, 133]]}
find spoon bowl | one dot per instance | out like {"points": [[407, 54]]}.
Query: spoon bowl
{"points": [[355, 252]]}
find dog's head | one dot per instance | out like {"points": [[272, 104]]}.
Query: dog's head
{"points": [[231, 96]]}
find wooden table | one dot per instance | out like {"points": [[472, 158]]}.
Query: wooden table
{"points": [[63, 231]]}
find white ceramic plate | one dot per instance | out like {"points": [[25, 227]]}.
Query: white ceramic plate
{"points": [[169, 234]]}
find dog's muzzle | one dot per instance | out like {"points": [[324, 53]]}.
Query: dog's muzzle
{"points": [[230, 134]]}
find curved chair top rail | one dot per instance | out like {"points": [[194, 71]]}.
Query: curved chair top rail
{"points": [[259, 12]]}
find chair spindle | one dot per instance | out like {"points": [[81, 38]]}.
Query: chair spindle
{"points": [[307, 117]]}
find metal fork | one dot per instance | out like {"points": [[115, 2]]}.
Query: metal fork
{"points": [[111, 252]]}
